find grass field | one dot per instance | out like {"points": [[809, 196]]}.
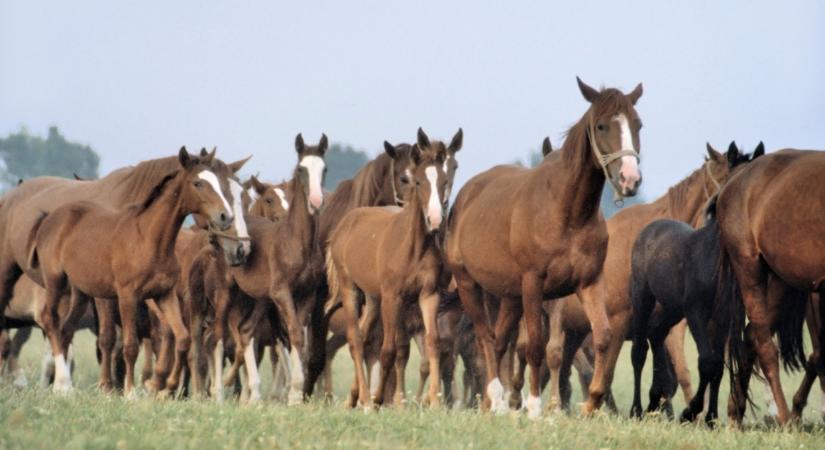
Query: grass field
{"points": [[36, 418]]}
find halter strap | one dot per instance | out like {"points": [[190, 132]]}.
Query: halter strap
{"points": [[231, 237], [606, 158], [710, 175]]}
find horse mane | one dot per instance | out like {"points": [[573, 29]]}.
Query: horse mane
{"points": [[142, 179], [154, 194], [677, 194], [368, 182]]}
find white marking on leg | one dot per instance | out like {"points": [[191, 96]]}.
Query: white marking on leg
{"points": [[315, 168], [253, 379], [533, 405], [62, 375], [217, 377], [434, 205], [772, 409], [212, 179], [282, 196], [296, 375], [495, 391], [375, 375], [46, 367]]}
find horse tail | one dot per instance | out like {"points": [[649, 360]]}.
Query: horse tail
{"points": [[789, 330], [31, 241], [334, 300], [731, 308]]}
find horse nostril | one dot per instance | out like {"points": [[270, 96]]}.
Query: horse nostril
{"points": [[223, 217]]}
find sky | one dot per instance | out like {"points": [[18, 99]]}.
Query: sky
{"points": [[136, 80]]}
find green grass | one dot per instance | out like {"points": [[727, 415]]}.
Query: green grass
{"points": [[36, 418]]}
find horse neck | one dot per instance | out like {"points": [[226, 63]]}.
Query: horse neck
{"points": [[417, 238], [578, 196], [300, 223], [161, 221], [369, 183], [686, 200]]}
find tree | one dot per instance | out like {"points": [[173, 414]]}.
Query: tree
{"points": [[342, 162], [26, 156]]}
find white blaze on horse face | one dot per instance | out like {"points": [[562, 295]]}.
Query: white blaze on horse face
{"points": [[212, 179], [237, 213], [315, 168], [434, 204], [253, 379], [282, 196], [630, 164]]}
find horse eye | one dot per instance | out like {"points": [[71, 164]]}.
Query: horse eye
{"points": [[269, 200], [417, 183], [404, 179], [601, 127], [197, 184]]}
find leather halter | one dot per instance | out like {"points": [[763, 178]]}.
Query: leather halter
{"points": [[231, 237], [606, 158]]}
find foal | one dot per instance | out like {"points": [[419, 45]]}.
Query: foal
{"points": [[281, 269], [129, 255], [673, 268], [394, 256]]}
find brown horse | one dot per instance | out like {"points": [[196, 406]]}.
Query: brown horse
{"points": [[282, 268], [772, 246], [813, 367], [684, 202], [393, 256], [538, 233], [267, 200], [92, 251]]}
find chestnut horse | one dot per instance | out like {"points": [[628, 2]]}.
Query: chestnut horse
{"points": [[539, 234], [684, 202], [772, 243], [92, 251], [282, 269], [393, 256]]}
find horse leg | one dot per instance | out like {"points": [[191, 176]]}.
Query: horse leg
{"points": [[660, 388], [423, 366], [428, 302], [390, 305], [355, 339], [643, 302], [675, 344], [572, 343], [316, 344], [333, 345], [286, 306], [106, 340], [607, 342], [15, 347], [128, 304], [222, 305], [50, 322], [253, 378], [510, 311], [10, 272], [800, 399], [707, 366], [520, 366], [555, 351], [531, 298], [170, 306], [471, 299]]}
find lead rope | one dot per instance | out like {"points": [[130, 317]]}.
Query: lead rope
{"points": [[605, 159], [231, 237]]}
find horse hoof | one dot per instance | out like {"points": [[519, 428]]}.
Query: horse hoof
{"points": [[687, 416], [295, 398], [533, 405], [636, 412], [20, 382]]}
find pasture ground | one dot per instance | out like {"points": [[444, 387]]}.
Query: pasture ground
{"points": [[35, 418]]}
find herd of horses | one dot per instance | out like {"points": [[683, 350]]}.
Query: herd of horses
{"points": [[522, 270]]}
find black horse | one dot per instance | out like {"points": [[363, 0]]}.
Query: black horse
{"points": [[674, 269]]}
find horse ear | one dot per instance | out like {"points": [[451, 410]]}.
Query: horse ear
{"points": [[733, 154], [184, 158], [415, 153], [713, 154], [299, 144], [237, 165], [259, 187], [457, 142], [423, 140], [390, 150], [546, 147], [760, 150], [323, 144], [634, 95], [589, 94], [203, 152]]}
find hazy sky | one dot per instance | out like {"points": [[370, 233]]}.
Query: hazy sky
{"points": [[136, 80]]}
